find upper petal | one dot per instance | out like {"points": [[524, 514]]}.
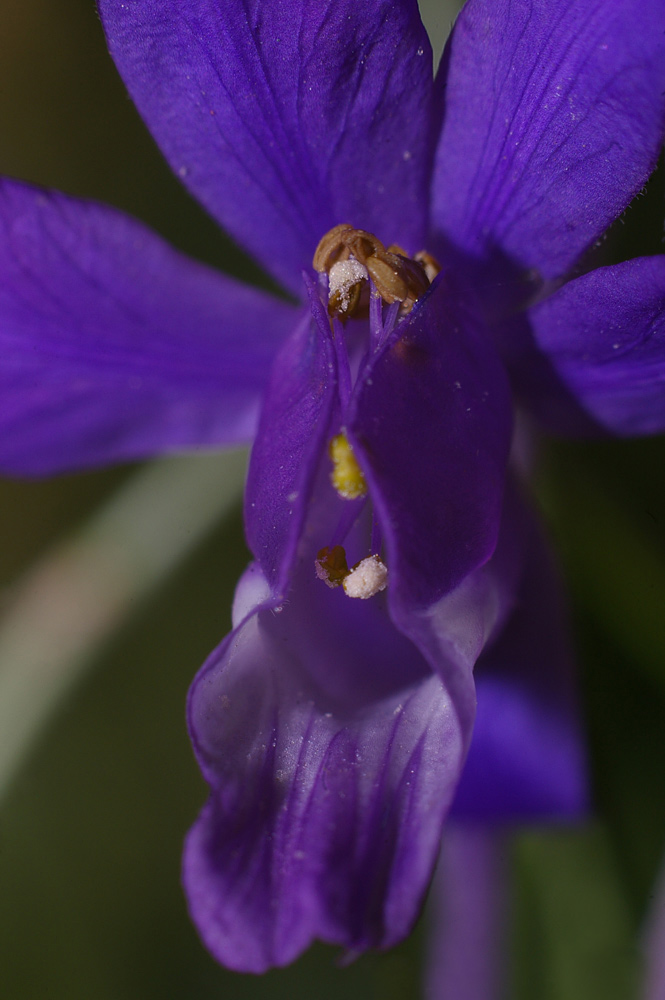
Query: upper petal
{"points": [[285, 119], [113, 346], [603, 336], [554, 119]]}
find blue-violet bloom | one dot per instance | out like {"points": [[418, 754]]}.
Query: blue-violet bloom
{"points": [[333, 723]]}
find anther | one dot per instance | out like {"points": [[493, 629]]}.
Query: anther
{"points": [[396, 276], [332, 248], [384, 270], [362, 244], [345, 282], [367, 578], [429, 263], [346, 476], [331, 565]]}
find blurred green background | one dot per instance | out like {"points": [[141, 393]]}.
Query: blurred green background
{"points": [[91, 831]]}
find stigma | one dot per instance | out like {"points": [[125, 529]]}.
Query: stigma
{"points": [[346, 476]]}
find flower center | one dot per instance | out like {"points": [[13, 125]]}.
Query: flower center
{"points": [[350, 257], [365, 279]]}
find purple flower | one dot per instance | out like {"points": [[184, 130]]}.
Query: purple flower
{"points": [[470, 916], [333, 730], [653, 941]]}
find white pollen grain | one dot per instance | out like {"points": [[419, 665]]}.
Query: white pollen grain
{"points": [[366, 579], [342, 277]]}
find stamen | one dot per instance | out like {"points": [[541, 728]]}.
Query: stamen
{"points": [[429, 263], [375, 319], [345, 281], [367, 578], [351, 511], [331, 565], [347, 476], [397, 277], [343, 365], [381, 321], [377, 534], [384, 269], [332, 248], [365, 280], [390, 318]]}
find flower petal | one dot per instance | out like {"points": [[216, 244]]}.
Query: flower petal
{"points": [[453, 632], [469, 905], [286, 119], [285, 458], [554, 119], [431, 425], [113, 346], [654, 943], [332, 755], [527, 759], [604, 337]]}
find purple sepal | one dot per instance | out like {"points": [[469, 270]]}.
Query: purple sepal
{"points": [[287, 118], [116, 347], [554, 119], [603, 336]]}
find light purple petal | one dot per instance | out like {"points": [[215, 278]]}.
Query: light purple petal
{"points": [[294, 427], [113, 346], [527, 759], [554, 119], [287, 118], [654, 981], [332, 755], [469, 914], [431, 426], [603, 336]]}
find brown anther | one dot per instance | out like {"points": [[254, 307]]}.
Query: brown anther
{"points": [[429, 263], [331, 565], [396, 276], [418, 281], [410, 275], [362, 244], [345, 304], [416, 278], [332, 247], [386, 271]]}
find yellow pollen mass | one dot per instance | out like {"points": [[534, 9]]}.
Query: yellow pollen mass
{"points": [[346, 476]]}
